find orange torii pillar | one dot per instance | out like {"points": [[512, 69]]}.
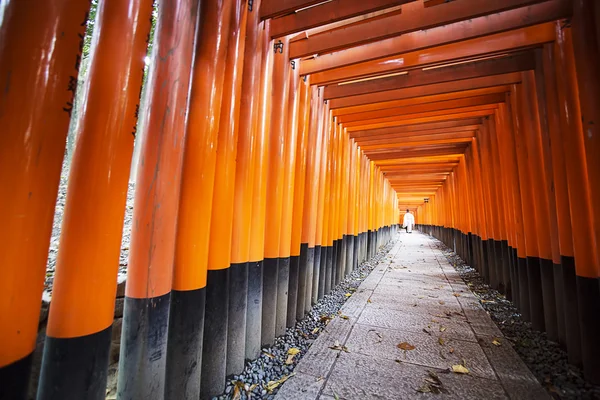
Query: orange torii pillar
{"points": [[327, 256], [507, 136], [586, 49], [581, 288], [311, 196], [298, 271], [320, 243], [349, 228], [40, 49], [216, 317], [561, 224], [246, 167], [334, 212], [79, 331], [348, 217], [259, 194], [289, 171], [142, 363], [188, 295], [275, 179]]}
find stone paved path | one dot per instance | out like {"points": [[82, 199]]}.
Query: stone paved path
{"points": [[413, 296]]}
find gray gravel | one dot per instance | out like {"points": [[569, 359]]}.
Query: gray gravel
{"points": [[271, 366], [546, 360]]}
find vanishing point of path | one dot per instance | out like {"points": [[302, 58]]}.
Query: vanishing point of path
{"points": [[413, 298]]}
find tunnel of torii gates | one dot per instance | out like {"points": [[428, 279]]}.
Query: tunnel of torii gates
{"points": [[281, 143]]}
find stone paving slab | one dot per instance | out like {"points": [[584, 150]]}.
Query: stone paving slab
{"points": [[361, 377], [429, 350], [414, 295]]}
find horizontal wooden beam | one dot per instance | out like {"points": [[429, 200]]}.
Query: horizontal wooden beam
{"points": [[444, 151], [449, 88], [371, 133], [486, 109], [422, 120], [415, 17], [461, 137], [495, 66], [420, 100], [327, 13], [420, 108], [393, 138], [276, 8]]}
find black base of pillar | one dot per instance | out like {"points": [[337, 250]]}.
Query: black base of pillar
{"points": [[143, 355], [549, 297], [571, 305], [323, 271], [588, 293], [292, 301], [283, 282], [15, 379], [536, 299], [316, 274], [238, 305], [184, 347], [329, 269], [559, 291], [76, 368], [214, 346], [524, 289], [254, 310], [269, 305]]}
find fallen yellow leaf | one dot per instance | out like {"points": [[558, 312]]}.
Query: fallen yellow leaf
{"points": [[369, 301], [456, 294], [293, 351], [441, 341], [290, 359], [405, 346], [348, 294], [271, 385], [459, 369], [315, 330], [344, 317], [442, 328], [496, 342]]}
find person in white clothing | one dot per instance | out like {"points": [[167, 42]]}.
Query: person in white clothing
{"points": [[409, 221]]}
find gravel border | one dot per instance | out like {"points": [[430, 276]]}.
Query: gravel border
{"points": [[262, 378], [546, 360]]}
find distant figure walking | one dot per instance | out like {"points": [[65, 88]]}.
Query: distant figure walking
{"points": [[409, 221]]}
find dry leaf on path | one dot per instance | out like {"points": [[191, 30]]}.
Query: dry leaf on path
{"points": [[271, 356], [405, 346], [441, 341], [344, 317], [271, 385], [293, 351], [459, 369], [451, 350], [442, 328], [496, 342], [456, 294], [369, 301], [314, 331], [442, 302], [338, 346], [348, 294]]}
